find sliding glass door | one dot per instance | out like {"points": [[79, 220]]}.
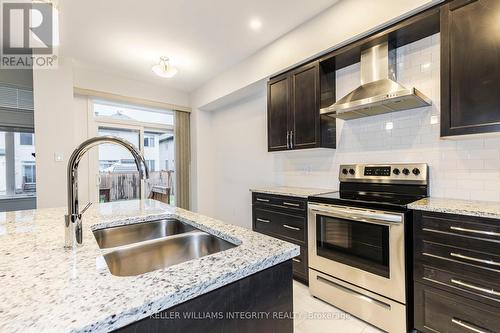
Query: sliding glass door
{"points": [[118, 175], [152, 132]]}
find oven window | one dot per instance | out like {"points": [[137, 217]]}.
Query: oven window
{"points": [[358, 244]]}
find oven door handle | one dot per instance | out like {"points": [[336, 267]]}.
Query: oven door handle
{"points": [[368, 216]]}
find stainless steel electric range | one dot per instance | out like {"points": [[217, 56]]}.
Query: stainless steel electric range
{"points": [[360, 243]]}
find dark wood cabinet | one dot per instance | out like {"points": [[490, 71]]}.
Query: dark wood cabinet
{"points": [[278, 110], [305, 107], [293, 107], [267, 292], [285, 218], [456, 275], [470, 67]]}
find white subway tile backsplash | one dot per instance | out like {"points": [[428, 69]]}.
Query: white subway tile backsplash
{"points": [[468, 169]]}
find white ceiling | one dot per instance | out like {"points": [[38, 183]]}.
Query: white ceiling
{"points": [[201, 37]]}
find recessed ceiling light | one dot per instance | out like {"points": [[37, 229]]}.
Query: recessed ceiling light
{"points": [[164, 69], [255, 24]]}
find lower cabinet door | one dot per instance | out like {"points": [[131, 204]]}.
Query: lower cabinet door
{"points": [[444, 312], [300, 265]]}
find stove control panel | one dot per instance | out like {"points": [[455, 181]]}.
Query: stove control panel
{"points": [[411, 173]]}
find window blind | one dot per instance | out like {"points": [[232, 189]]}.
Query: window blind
{"points": [[16, 109]]}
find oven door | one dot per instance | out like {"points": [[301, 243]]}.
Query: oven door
{"points": [[360, 246]]}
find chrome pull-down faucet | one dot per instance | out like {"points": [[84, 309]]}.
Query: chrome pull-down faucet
{"points": [[73, 220]]}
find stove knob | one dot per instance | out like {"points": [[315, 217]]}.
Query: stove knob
{"points": [[396, 171], [416, 171], [351, 171], [344, 171], [406, 172]]}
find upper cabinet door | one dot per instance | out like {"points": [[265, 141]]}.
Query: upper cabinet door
{"points": [[305, 106], [470, 67], [278, 106]]}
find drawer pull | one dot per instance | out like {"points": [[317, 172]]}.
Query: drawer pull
{"points": [[468, 326], [474, 231], [354, 293], [484, 261], [471, 286], [296, 260], [264, 221], [290, 227], [291, 204], [262, 200]]}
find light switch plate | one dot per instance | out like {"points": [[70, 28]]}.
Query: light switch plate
{"points": [[58, 157]]}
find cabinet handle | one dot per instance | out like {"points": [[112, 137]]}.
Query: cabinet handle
{"points": [[291, 139], [262, 220], [296, 260], [468, 326], [262, 200], [484, 261], [471, 286], [287, 139], [290, 227], [291, 204], [474, 231]]}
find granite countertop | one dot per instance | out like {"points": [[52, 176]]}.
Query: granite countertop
{"points": [[301, 192], [46, 288], [456, 206]]}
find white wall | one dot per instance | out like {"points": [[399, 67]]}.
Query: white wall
{"points": [[339, 24], [54, 130], [240, 158], [468, 168], [112, 83]]}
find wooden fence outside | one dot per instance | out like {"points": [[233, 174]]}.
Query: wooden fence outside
{"points": [[125, 185]]}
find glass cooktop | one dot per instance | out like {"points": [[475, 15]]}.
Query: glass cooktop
{"points": [[364, 198]]}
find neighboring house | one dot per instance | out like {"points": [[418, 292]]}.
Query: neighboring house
{"points": [[2, 170], [24, 161], [166, 152], [158, 150]]}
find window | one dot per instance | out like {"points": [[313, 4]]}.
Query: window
{"points": [[26, 139], [149, 141], [105, 164], [29, 174], [130, 113], [151, 165], [17, 164]]}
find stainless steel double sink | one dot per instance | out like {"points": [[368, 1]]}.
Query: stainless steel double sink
{"points": [[139, 248]]}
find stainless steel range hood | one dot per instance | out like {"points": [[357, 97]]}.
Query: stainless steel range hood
{"points": [[379, 92]]}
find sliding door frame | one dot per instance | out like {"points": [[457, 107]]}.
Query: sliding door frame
{"points": [[93, 124]]}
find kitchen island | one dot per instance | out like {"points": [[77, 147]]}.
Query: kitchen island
{"points": [[46, 288]]}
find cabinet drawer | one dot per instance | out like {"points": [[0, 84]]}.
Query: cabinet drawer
{"points": [[468, 285], [300, 265], [476, 234], [378, 310], [288, 203], [280, 225], [443, 312], [459, 260]]}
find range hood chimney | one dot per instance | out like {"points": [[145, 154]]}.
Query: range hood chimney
{"points": [[379, 92]]}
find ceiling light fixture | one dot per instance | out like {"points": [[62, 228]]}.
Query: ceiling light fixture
{"points": [[255, 24], [164, 69]]}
